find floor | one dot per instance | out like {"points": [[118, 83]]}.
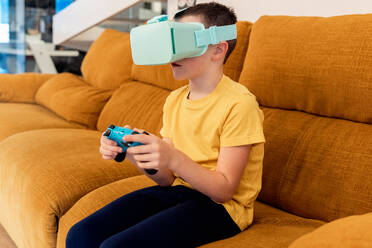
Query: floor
{"points": [[5, 240]]}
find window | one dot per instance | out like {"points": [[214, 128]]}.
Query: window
{"points": [[4, 21]]}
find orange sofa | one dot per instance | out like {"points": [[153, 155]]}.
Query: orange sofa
{"points": [[313, 79]]}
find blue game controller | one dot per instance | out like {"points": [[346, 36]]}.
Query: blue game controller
{"points": [[116, 134]]}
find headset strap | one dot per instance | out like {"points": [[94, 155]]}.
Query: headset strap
{"points": [[215, 35]]}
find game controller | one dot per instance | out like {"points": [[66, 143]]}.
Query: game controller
{"points": [[116, 134]]}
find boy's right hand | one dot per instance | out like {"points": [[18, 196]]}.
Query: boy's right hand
{"points": [[109, 148]]}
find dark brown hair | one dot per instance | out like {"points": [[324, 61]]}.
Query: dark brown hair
{"points": [[213, 14]]}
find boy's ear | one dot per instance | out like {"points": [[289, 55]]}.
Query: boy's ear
{"points": [[220, 50]]}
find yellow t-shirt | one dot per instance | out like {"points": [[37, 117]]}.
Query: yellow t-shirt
{"points": [[228, 116]]}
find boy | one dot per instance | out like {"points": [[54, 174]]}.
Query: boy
{"points": [[209, 161]]}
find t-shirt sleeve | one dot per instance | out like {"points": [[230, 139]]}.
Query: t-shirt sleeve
{"points": [[243, 124], [164, 131]]}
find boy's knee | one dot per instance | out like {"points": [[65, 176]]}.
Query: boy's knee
{"points": [[79, 235]]}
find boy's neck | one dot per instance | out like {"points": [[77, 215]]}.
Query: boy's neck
{"points": [[204, 84]]}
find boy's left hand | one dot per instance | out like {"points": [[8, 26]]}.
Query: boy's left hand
{"points": [[155, 153]]}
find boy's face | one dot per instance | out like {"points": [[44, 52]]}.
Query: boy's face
{"points": [[190, 68]]}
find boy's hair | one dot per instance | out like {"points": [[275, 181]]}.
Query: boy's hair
{"points": [[213, 14]]}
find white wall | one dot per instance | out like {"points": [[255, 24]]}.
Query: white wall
{"points": [[251, 10]]}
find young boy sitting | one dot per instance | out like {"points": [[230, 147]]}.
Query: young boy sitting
{"points": [[208, 161]]}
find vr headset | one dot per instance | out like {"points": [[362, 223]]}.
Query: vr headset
{"points": [[162, 41]]}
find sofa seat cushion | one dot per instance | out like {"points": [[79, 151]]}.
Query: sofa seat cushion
{"points": [[271, 228], [43, 173], [348, 232], [20, 117], [73, 99]]}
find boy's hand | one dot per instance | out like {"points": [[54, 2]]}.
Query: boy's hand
{"points": [[155, 153], [109, 148]]}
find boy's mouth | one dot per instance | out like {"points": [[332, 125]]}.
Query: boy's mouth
{"points": [[175, 65]]}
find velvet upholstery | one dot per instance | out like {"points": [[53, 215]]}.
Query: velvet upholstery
{"points": [[72, 99], [108, 63], [313, 64], [48, 171], [127, 106], [21, 117], [348, 232], [21, 88], [316, 167], [312, 77]]}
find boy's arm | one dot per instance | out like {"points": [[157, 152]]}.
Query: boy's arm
{"points": [[220, 184]]}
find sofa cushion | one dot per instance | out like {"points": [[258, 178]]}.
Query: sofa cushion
{"points": [[138, 104], [349, 232], [320, 65], [21, 87], [74, 100], [96, 200], [316, 167], [43, 173], [282, 227], [162, 75], [21, 117], [108, 62]]}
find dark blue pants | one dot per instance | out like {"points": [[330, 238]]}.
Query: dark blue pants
{"points": [[154, 217]]}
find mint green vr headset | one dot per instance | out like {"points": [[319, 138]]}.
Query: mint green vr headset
{"points": [[162, 41]]}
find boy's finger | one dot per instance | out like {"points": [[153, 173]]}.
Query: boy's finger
{"points": [[138, 130], [127, 126], [107, 141], [113, 148], [145, 139], [144, 149]]}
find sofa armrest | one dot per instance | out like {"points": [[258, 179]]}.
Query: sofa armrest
{"points": [[21, 87], [348, 232]]}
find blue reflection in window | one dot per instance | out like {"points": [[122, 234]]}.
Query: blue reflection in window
{"points": [[4, 32], [61, 4], [4, 21]]}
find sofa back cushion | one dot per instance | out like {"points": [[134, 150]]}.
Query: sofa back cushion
{"points": [[135, 103], [316, 167], [314, 64], [162, 76], [108, 62], [70, 97]]}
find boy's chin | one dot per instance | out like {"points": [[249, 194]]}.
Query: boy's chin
{"points": [[178, 76]]}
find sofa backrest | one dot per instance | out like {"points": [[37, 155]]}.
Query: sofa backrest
{"points": [[140, 102], [108, 63], [318, 159], [106, 66]]}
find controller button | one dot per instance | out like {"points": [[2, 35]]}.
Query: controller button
{"points": [[112, 126]]}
